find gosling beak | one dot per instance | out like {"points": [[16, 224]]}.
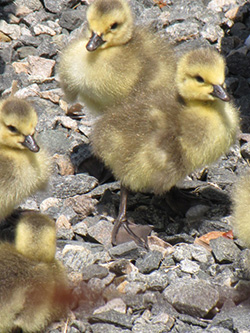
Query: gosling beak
{"points": [[31, 144], [94, 42], [221, 93]]}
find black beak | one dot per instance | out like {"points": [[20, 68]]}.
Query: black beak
{"points": [[31, 144], [94, 42], [221, 93]]}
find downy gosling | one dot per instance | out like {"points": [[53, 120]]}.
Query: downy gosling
{"points": [[241, 212], [23, 168], [152, 142], [33, 284], [114, 58]]}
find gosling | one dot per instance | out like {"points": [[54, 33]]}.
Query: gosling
{"points": [[114, 58], [241, 216], [23, 168], [34, 289], [152, 142]]}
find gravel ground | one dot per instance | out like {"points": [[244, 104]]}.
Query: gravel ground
{"points": [[178, 285]]}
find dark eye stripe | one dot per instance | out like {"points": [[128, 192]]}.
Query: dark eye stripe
{"points": [[199, 79], [114, 25], [12, 129]]}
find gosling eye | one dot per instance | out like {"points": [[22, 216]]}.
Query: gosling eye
{"points": [[199, 79], [12, 129], [114, 26]]}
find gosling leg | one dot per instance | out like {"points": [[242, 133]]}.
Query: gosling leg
{"points": [[122, 221]]}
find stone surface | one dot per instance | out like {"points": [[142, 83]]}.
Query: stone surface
{"points": [[84, 201], [150, 262], [194, 297], [224, 250]]}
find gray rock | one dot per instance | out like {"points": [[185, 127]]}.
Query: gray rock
{"points": [[188, 266], [100, 328], [150, 262], [46, 49], [157, 281], [7, 78], [234, 318], [181, 12], [80, 229], [141, 301], [101, 232], [181, 252], [142, 326], [72, 185], [112, 317], [58, 6], [79, 325], [24, 51], [54, 141], [36, 17], [183, 31], [243, 265], [72, 19], [129, 250], [200, 254], [95, 270], [32, 4], [193, 297], [224, 250], [76, 256], [239, 64], [64, 233]]}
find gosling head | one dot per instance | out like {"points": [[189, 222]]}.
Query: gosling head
{"points": [[201, 75], [110, 24], [36, 237], [17, 124]]}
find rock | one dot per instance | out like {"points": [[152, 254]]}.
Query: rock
{"points": [[129, 250], [46, 49], [83, 205], [79, 255], [94, 270], [112, 317], [101, 232], [188, 266], [200, 254], [234, 318], [239, 64], [80, 229], [64, 164], [24, 51], [72, 19], [243, 265], [150, 262], [32, 4], [157, 281], [224, 250], [181, 252], [183, 31], [193, 297], [72, 185], [43, 29], [100, 328], [35, 32], [11, 30], [116, 304], [59, 5]]}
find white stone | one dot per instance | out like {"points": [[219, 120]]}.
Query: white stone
{"points": [[11, 30]]}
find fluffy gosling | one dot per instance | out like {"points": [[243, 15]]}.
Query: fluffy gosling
{"points": [[33, 289], [23, 168], [114, 58], [241, 214], [152, 142]]}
